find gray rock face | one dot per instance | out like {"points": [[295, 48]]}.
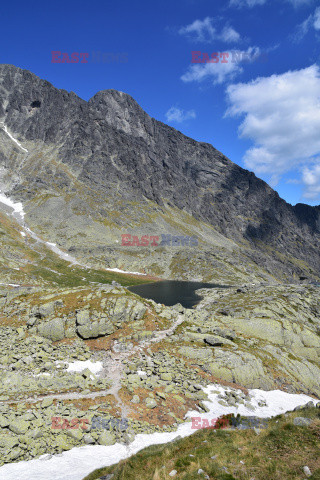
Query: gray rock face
{"points": [[110, 145]]}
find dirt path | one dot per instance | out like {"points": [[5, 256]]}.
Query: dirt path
{"points": [[114, 366], [113, 370]]}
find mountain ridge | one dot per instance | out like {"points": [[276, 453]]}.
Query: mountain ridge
{"points": [[110, 144]]}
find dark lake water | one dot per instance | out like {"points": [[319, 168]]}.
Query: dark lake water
{"points": [[170, 292]]}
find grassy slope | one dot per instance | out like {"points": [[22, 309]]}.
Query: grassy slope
{"points": [[26, 262], [278, 453], [58, 272]]}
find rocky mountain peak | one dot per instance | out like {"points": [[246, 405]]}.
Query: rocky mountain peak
{"points": [[122, 112]]}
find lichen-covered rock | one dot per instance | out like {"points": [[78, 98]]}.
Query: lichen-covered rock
{"points": [[19, 426], [241, 367], [53, 330], [201, 354], [150, 402], [75, 434], [8, 441], [46, 402], [116, 311], [89, 330], [106, 438], [83, 317], [134, 379], [302, 421]]}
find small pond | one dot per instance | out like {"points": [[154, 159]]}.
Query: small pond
{"points": [[170, 292]]}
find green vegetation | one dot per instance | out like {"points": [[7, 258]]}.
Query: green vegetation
{"points": [[63, 274]]}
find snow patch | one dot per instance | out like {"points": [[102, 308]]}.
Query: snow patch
{"points": [[276, 402], [62, 254], [124, 271], [19, 214], [53, 247], [16, 206], [79, 366], [2, 125]]}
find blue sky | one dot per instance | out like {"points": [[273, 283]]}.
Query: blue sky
{"points": [[261, 110]]}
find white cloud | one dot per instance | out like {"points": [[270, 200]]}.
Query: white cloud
{"points": [[205, 31], [218, 72], [303, 29], [175, 114], [200, 28], [222, 71], [313, 21], [282, 118], [229, 35], [316, 19], [247, 3], [254, 3], [311, 181], [299, 3]]}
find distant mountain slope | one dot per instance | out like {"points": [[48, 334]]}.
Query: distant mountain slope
{"points": [[99, 169]]}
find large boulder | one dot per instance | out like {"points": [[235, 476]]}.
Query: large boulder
{"points": [[53, 330]]}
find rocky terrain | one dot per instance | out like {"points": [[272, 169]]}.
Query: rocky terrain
{"points": [[101, 351]]}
